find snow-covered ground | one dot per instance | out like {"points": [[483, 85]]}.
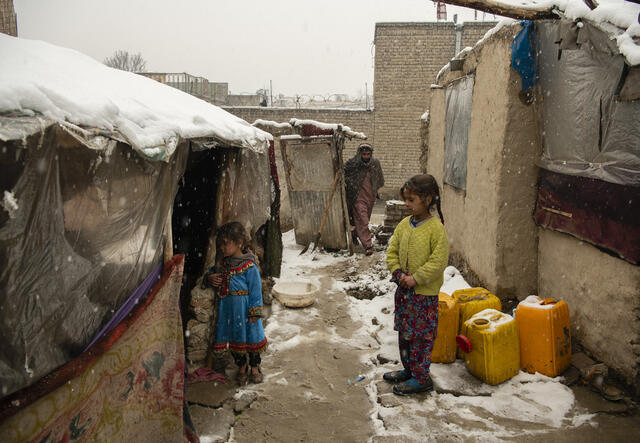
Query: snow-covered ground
{"points": [[461, 405]]}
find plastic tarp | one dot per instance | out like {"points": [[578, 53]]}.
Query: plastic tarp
{"points": [[245, 193], [522, 55], [458, 96], [86, 231], [587, 129]]}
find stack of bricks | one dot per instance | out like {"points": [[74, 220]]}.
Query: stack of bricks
{"points": [[394, 212]]}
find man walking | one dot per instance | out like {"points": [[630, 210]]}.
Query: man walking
{"points": [[363, 178]]}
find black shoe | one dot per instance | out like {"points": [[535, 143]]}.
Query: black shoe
{"points": [[396, 376], [412, 387], [354, 238]]}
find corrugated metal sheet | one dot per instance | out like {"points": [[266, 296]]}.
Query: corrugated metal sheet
{"points": [[311, 165]]}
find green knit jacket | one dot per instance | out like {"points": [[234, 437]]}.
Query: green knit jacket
{"points": [[422, 252]]}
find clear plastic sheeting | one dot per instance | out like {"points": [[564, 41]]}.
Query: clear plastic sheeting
{"points": [[587, 129], [245, 194], [87, 231], [459, 95]]}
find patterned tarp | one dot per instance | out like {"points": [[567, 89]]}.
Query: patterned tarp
{"points": [[129, 386]]}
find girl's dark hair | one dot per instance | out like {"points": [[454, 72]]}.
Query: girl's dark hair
{"points": [[233, 231], [424, 185]]}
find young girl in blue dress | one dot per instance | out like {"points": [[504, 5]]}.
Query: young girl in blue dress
{"points": [[239, 326]]}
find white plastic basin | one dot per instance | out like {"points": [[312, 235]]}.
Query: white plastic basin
{"points": [[295, 294]]}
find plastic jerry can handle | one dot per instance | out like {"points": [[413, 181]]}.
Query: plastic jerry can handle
{"points": [[481, 323], [464, 343], [549, 301]]}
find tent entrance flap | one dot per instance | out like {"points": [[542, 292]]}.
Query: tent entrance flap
{"points": [[311, 163], [194, 213]]}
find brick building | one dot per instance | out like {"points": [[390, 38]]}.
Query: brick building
{"points": [[8, 24], [408, 58]]}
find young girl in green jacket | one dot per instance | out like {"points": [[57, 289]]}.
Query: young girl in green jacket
{"points": [[417, 255]]}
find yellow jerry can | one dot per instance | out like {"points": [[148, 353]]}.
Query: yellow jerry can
{"points": [[491, 339], [472, 301], [444, 348], [545, 335]]}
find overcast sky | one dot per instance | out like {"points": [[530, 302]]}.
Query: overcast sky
{"points": [[304, 47]]}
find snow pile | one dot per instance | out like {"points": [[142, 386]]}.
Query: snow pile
{"points": [[533, 301], [495, 319], [294, 122], [271, 123], [501, 24], [295, 266], [532, 398], [67, 86], [453, 281], [10, 204]]}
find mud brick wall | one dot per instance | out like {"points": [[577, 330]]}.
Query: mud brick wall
{"points": [[407, 59], [8, 23]]}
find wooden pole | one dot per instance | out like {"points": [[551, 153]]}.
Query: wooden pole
{"points": [[496, 7], [168, 237]]}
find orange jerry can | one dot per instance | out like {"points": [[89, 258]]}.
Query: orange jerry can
{"points": [[444, 348], [471, 301], [545, 335]]}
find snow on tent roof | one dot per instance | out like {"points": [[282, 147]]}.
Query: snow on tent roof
{"points": [[68, 87], [619, 18]]}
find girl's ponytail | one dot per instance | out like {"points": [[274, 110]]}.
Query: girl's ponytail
{"points": [[438, 207]]}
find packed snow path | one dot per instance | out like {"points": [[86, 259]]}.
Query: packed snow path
{"points": [[315, 352]]}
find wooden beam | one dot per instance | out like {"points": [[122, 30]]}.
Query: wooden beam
{"points": [[494, 7]]}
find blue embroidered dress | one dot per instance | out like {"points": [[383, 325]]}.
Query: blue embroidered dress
{"points": [[239, 324]]}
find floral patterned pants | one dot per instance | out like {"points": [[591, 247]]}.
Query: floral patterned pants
{"points": [[416, 320]]}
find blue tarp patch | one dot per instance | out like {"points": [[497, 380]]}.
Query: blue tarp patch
{"points": [[523, 55]]}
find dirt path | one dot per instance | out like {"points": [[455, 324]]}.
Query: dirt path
{"points": [[306, 396]]}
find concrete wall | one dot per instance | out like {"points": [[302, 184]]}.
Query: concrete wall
{"points": [[8, 24], [244, 99], [407, 59], [603, 294], [489, 224]]}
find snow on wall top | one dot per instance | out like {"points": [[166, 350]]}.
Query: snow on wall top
{"points": [[69, 87], [297, 123], [617, 17]]}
